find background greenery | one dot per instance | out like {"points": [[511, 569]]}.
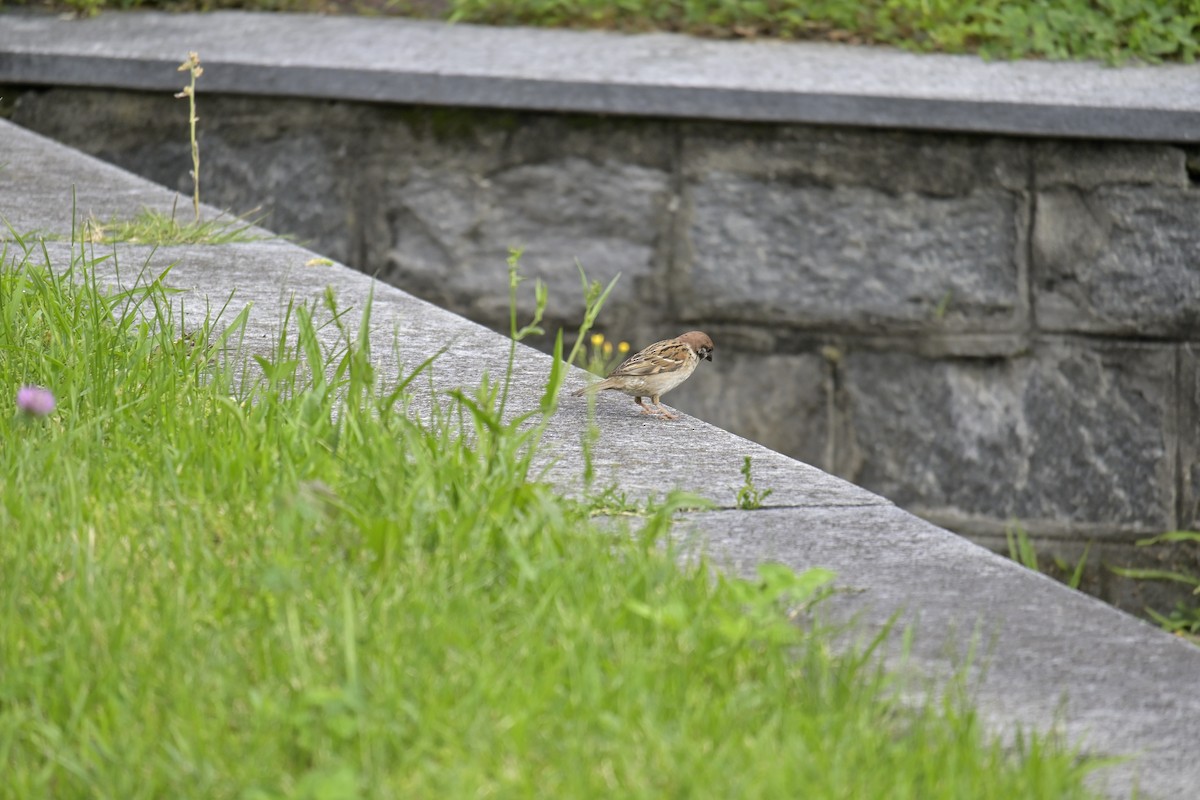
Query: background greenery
{"points": [[1110, 30]]}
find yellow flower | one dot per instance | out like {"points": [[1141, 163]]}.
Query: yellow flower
{"points": [[597, 339], [623, 347], [608, 348]]}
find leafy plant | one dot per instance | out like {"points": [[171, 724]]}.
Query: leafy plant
{"points": [[1110, 30], [1021, 550], [1114, 31], [749, 497], [594, 295], [155, 228], [1076, 576], [1184, 619]]}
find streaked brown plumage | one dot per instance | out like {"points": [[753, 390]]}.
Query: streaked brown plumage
{"points": [[656, 370]]}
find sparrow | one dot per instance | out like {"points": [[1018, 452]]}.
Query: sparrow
{"points": [[657, 370]]}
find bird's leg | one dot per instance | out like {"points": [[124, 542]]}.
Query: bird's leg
{"points": [[662, 411], [645, 410]]}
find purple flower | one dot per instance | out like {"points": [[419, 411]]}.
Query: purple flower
{"points": [[35, 400]]}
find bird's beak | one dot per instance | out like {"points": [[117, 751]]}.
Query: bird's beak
{"points": [[708, 357]]}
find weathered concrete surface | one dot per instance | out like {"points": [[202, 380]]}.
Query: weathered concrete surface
{"points": [[662, 75], [1035, 644], [1126, 684]]}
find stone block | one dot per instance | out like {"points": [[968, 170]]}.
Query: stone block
{"points": [[458, 188], [1117, 260], [894, 162], [534, 138], [850, 258], [1088, 165], [1192, 164], [781, 401], [292, 184], [449, 230], [116, 122], [1189, 436], [1078, 435]]}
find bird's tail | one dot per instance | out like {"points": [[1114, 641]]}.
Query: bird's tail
{"points": [[595, 387]]}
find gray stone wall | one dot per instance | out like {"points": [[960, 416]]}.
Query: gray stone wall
{"points": [[986, 330]]}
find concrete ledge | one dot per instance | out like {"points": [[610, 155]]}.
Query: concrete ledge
{"points": [[1052, 658], [659, 75]]}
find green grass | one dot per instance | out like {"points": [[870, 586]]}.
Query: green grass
{"points": [[155, 228], [1109, 30], [1112, 30], [1021, 549], [1184, 619], [224, 577]]}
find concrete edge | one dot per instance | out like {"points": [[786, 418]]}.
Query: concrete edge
{"points": [[656, 75]]}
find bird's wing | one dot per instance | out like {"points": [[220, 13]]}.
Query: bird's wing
{"points": [[665, 356]]}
